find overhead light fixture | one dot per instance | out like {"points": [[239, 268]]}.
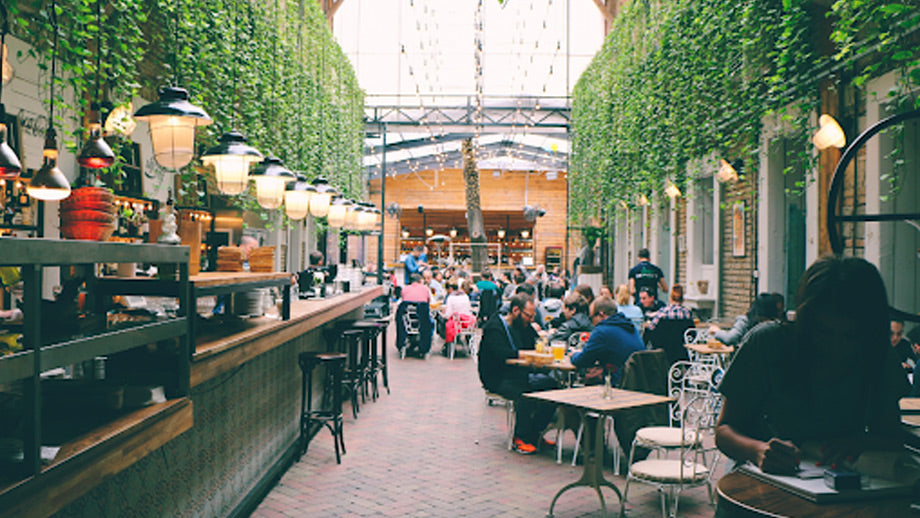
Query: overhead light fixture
{"points": [[297, 196], [501, 233], [96, 152], [367, 219], [173, 120], [319, 203], [525, 234], [10, 166], [49, 183], [829, 133], [353, 217], [231, 159], [338, 211], [429, 231], [453, 232], [726, 172], [671, 190], [271, 177], [405, 233]]}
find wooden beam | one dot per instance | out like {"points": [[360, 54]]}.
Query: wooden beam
{"points": [[329, 8], [607, 8]]}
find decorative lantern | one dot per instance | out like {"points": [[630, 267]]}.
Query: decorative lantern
{"points": [[271, 177], [173, 120], [297, 198], [319, 203], [231, 159], [338, 211]]}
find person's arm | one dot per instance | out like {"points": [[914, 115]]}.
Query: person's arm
{"points": [[774, 456], [591, 352], [733, 335], [632, 286], [662, 284]]}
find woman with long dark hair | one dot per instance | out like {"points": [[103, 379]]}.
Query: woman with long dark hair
{"points": [[824, 384]]}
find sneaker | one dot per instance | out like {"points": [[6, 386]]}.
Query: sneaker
{"points": [[524, 448], [547, 443]]}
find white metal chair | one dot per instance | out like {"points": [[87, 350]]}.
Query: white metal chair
{"points": [[697, 461], [495, 399], [413, 327], [465, 332]]}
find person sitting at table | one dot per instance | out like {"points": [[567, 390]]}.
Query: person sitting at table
{"points": [[502, 338], [901, 346], [517, 279], [629, 310], [822, 383], [585, 291], [457, 304], [675, 310], [575, 310], [763, 309], [550, 306], [415, 293], [648, 303], [437, 291], [613, 339], [486, 283]]}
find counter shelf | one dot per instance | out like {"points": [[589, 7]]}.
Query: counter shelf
{"points": [[32, 256]]}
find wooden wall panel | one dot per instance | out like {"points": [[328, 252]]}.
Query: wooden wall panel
{"points": [[504, 191]]}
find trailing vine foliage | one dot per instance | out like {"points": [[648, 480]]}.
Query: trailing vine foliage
{"points": [[270, 70], [683, 79]]}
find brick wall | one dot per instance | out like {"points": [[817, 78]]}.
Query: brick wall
{"points": [[681, 236], [735, 292]]}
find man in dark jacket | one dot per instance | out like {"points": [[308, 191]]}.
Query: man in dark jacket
{"points": [[613, 339], [502, 337]]}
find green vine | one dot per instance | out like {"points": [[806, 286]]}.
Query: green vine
{"points": [[685, 79]]}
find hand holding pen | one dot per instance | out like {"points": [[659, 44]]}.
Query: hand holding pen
{"points": [[779, 457]]}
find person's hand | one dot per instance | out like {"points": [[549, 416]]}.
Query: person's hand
{"points": [[844, 450], [714, 329], [778, 456]]}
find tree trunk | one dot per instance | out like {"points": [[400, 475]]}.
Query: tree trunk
{"points": [[479, 252]]}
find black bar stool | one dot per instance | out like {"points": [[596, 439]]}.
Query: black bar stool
{"points": [[350, 343], [370, 362], [385, 327], [329, 416]]}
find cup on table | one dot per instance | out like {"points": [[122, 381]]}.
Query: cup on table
{"points": [[558, 349]]}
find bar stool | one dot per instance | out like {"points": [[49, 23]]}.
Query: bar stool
{"points": [[329, 416], [370, 359], [385, 327], [350, 342]]}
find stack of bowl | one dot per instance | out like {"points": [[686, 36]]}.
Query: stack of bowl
{"points": [[89, 213]]}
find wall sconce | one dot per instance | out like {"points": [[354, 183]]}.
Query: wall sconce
{"points": [[829, 134], [453, 232], [525, 234], [501, 233], [671, 190], [405, 233], [429, 231], [726, 172]]}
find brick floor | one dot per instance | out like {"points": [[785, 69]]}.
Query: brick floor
{"points": [[415, 453]]}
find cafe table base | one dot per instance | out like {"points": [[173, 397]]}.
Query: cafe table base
{"points": [[593, 474]]}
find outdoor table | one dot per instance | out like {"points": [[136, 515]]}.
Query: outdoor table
{"points": [[564, 369], [910, 411], [591, 404]]}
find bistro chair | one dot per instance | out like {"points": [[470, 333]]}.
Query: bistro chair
{"points": [[464, 335], [696, 462], [495, 399]]}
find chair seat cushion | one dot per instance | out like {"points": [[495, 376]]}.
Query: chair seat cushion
{"points": [[669, 470], [664, 437]]}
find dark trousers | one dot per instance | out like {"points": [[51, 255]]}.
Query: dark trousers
{"points": [[532, 416]]}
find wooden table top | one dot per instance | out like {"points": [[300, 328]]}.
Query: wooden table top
{"points": [[751, 497], [711, 349], [564, 365], [592, 398], [910, 405]]}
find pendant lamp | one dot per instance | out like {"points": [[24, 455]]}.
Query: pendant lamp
{"points": [[271, 177], [49, 183], [338, 211], [353, 218], [231, 159], [96, 153], [319, 203], [10, 166], [173, 120], [297, 198]]}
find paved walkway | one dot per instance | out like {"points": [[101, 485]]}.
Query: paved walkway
{"points": [[415, 453]]}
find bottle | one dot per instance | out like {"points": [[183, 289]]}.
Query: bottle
{"points": [[608, 389]]}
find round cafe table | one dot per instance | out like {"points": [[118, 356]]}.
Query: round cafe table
{"points": [[744, 496]]}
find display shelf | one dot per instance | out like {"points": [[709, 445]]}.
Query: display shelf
{"points": [[33, 256]]}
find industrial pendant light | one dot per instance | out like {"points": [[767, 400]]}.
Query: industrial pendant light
{"points": [[297, 197], [338, 211], [96, 152], [231, 158], [271, 177], [173, 119], [49, 183], [353, 217], [319, 203], [10, 166]]}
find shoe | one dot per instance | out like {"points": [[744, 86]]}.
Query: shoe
{"points": [[547, 443], [524, 448]]}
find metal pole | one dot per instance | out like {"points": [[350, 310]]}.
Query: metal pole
{"points": [[383, 212]]}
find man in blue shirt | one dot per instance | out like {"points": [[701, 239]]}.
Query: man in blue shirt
{"points": [[646, 275], [613, 339], [413, 264]]}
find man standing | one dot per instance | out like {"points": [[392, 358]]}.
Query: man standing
{"points": [[646, 275], [413, 264], [613, 339], [502, 338]]}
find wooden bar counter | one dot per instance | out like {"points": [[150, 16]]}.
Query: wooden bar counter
{"points": [[213, 453]]}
